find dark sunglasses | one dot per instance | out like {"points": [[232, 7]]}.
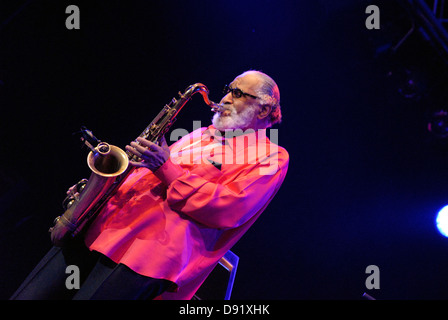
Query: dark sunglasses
{"points": [[236, 93]]}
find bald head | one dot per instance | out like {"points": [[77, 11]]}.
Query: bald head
{"points": [[268, 92]]}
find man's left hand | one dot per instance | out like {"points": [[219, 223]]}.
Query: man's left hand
{"points": [[153, 155]]}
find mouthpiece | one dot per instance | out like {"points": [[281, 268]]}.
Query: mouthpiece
{"points": [[216, 107]]}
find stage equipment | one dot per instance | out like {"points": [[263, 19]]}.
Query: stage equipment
{"points": [[438, 124]]}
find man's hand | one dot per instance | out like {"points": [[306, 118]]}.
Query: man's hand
{"points": [[153, 156]]}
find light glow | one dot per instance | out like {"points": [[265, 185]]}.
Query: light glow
{"points": [[442, 221]]}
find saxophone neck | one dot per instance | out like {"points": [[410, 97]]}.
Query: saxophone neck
{"points": [[203, 90], [166, 117]]}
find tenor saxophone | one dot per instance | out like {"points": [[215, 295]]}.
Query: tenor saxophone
{"points": [[110, 167]]}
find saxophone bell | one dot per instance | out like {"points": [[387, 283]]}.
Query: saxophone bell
{"points": [[107, 163]]}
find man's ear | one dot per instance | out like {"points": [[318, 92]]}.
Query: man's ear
{"points": [[265, 110]]}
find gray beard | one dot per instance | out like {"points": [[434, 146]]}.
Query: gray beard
{"points": [[235, 121]]}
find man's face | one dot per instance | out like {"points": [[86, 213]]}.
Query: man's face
{"points": [[240, 112]]}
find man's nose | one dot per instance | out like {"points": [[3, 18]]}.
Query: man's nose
{"points": [[227, 99]]}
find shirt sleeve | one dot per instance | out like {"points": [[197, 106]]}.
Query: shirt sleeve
{"points": [[222, 205]]}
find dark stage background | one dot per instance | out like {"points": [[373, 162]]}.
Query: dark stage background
{"points": [[366, 178]]}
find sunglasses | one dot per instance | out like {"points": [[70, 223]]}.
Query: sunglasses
{"points": [[236, 93]]}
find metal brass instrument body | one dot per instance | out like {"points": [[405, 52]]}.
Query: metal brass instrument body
{"points": [[110, 167]]}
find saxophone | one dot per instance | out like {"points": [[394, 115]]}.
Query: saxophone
{"points": [[110, 167]]}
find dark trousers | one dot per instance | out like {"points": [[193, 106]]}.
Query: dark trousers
{"points": [[100, 278]]}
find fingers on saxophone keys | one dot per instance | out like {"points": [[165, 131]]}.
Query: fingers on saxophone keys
{"points": [[133, 150], [144, 146], [148, 144], [140, 148]]}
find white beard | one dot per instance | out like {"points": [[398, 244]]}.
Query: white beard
{"points": [[242, 120]]}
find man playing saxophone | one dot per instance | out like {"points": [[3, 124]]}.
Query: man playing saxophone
{"points": [[182, 208]]}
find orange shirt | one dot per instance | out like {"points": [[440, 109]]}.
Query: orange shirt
{"points": [[177, 223]]}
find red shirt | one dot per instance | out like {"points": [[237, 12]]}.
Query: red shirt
{"points": [[176, 223]]}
